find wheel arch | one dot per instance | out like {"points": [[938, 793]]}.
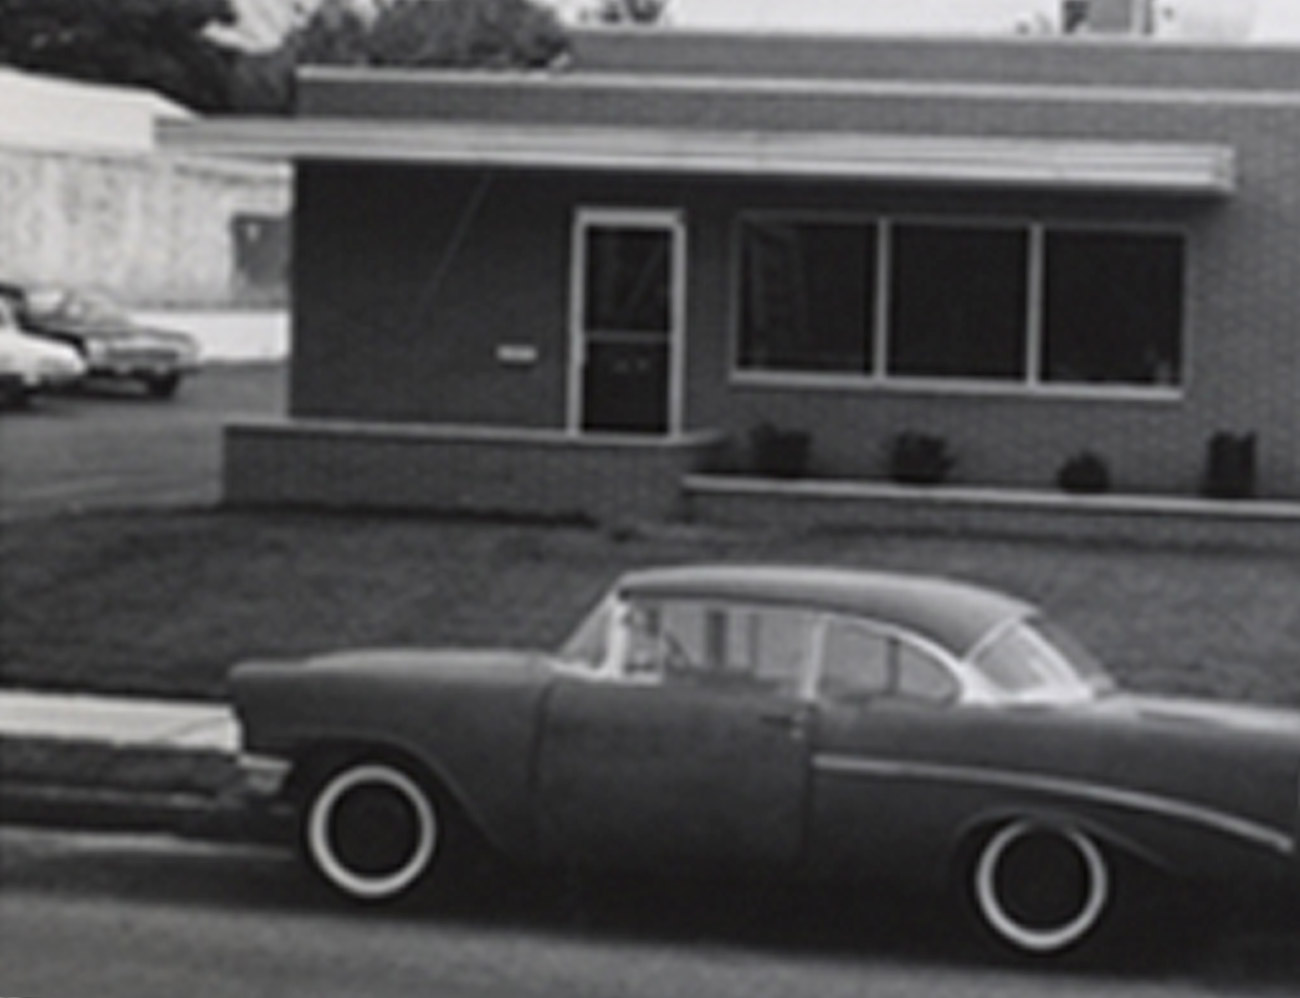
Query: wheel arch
{"points": [[973, 834], [312, 762]]}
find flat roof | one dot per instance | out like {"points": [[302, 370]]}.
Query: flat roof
{"points": [[1057, 164]]}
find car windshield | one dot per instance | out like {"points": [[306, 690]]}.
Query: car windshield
{"points": [[587, 645], [1034, 661]]}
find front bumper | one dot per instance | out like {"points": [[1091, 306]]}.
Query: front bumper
{"points": [[264, 776]]}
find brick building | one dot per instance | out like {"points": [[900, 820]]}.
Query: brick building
{"points": [[559, 293]]}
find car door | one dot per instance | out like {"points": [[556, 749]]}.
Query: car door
{"points": [[694, 758], [889, 734]]}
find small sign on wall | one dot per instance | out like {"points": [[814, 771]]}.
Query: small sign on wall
{"points": [[517, 354]]}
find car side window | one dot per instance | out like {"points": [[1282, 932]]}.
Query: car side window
{"points": [[861, 663], [705, 642]]}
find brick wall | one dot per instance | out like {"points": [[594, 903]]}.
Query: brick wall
{"points": [[411, 277], [459, 470]]}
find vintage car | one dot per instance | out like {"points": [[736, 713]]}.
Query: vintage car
{"points": [[789, 722], [29, 364], [113, 345]]}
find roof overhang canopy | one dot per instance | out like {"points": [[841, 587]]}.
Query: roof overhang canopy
{"points": [[1054, 164]]}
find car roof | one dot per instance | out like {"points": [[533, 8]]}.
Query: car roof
{"points": [[956, 615]]}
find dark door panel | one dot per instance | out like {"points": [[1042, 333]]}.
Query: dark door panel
{"points": [[625, 387], [671, 779]]}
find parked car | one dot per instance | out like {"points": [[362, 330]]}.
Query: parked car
{"points": [[114, 346], [29, 364], [785, 722]]}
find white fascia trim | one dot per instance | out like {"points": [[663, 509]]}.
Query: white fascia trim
{"points": [[1156, 168], [803, 86]]}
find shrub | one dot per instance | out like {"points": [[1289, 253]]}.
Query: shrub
{"points": [[920, 459], [1084, 473], [780, 453]]}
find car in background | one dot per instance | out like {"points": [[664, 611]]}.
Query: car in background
{"points": [[29, 364], [785, 722], [113, 345]]}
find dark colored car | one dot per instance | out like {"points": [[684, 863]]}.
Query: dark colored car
{"points": [[113, 345], [784, 722]]}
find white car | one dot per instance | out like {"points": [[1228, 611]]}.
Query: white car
{"points": [[29, 364]]}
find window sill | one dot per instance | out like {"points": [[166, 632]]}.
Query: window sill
{"points": [[796, 381]]}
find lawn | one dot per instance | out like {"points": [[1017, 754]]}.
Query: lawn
{"points": [[164, 603]]}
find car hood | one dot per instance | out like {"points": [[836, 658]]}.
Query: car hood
{"points": [[115, 332], [471, 665], [23, 351]]}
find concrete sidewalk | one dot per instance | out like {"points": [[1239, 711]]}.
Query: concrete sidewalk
{"points": [[118, 721]]}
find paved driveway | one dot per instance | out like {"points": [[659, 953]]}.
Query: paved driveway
{"points": [[119, 449]]}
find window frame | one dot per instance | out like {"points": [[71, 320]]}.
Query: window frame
{"points": [[931, 650], [1032, 384]]}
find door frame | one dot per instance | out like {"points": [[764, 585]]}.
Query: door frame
{"points": [[670, 220]]}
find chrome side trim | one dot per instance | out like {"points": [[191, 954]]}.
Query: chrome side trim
{"points": [[1133, 800]]}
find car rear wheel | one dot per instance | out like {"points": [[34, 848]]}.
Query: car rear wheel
{"points": [[1041, 889], [371, 830]]}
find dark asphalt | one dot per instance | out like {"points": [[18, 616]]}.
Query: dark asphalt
{"points": [[139, 917], [118, 448]]}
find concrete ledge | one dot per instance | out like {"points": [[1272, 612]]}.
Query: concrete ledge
{"points": [[480, 470], [1128, 519]]}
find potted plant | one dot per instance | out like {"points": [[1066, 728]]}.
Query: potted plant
{"points": [[1229, 466], [1085, 473], [780, 453]]}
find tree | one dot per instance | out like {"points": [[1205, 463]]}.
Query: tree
{"points": [[158, 44], [446, 33], [492, 34], [638, 12]]}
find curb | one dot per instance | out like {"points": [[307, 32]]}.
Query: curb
{"points": [[89, 785]]}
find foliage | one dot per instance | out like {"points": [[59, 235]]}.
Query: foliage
{"points": [[919, 459], [780, 453], [158, 44], [639, 12], [447, 33], [1084, 473], [462, 34]]}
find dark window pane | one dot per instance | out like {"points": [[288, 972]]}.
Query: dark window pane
{"points": [[807, 296], [627, 286], [1113, 308], [958, 302]]}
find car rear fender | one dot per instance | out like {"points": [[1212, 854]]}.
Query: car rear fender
{"points": [[974, 832]]}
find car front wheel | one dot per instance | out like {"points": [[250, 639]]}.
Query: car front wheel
{"points": [[1041, 889], [371, 830]]}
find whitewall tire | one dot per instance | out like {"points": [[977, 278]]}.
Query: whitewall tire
{"points": [[371, 831], [1041, 889]]}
